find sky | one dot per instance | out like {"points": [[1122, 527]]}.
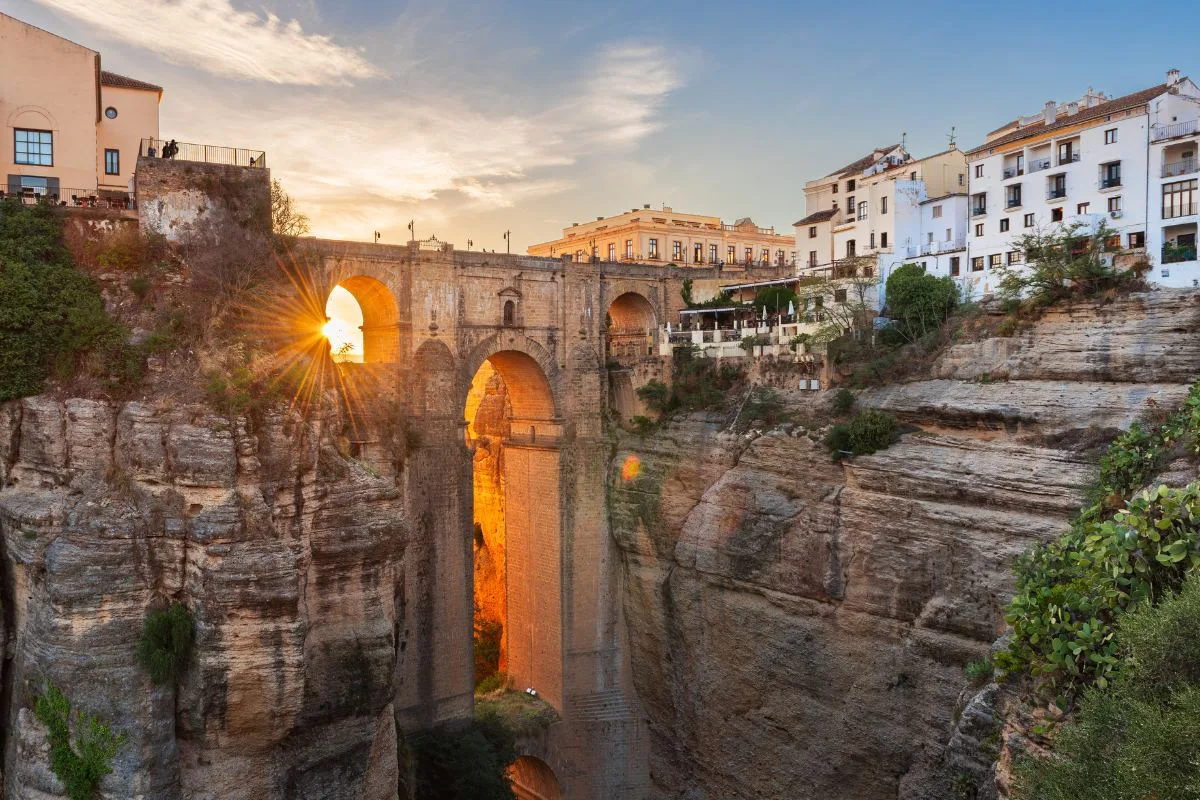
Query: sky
{"points": [[473, 118]]}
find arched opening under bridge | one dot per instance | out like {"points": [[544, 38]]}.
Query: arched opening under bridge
{"points": [[513, 431], [533, 779]]}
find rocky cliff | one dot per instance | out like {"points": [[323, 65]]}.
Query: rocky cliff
{"points": [[286, 551], [799, 627]]}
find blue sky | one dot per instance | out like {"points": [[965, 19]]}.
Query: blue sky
{"points": [[477, 117]]}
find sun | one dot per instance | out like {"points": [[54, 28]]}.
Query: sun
{"points": [[344, 326]]}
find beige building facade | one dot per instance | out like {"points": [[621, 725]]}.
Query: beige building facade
{"points": [[666, 236], [71, 129]]}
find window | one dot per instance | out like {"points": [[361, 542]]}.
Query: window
{"points": [[766, 256], [947, 234], [862, 210], [749, 254], [595, 252], [1179, 199], [835, 188], [839, 295], [912, 176], [779, 257], [812, 232], [883, 205], [929, 237], [994, 260], [110, 112], [33, 147], [578, 256], [1114, 204], [979, 204], [962, 181], [1083, 208], [612, 251], [850, 248], [676, 250], [1113, 242], [979, 229], [850, 185], [1137, 239], [954, 266], [977, 264], [1110, 174], [698, 253], [712, 254], [1067, 153], [654, 248], [629, 248], [731, 254], [1057, 187], [812, 258], [1015, 256], [883, 239], [112, 161], [850, 204], [937, 212], [871, 241], [979, 170], [1012, 196], [1110, 136], [1004, 225], [1029, 220], [510, 313], [1056, 214]]}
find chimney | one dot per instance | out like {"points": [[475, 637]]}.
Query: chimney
{"points": [[647, 205], [1172, 77], [599, 218], [667, 209], [1050, 113], [1072, 109]]}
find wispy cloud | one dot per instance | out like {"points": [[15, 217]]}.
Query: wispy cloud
{"points": [[213, 36], [348, 161]]}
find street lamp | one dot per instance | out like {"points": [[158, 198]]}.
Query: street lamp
{"points": [[508, 242]]}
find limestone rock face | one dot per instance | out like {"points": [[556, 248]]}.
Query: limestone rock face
{"points": [[799, 627], [288, 556]]}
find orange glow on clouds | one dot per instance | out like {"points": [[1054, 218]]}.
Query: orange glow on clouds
{"points": [[631, 468]]}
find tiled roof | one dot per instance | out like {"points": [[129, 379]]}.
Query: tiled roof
{"points": [[819, 216], [1084, 115], [864, 162], [120, 81]]}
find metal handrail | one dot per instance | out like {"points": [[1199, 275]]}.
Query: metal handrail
{"points": [[1056, 194], [203, 153], [1184, 167], [1012, 172], [1070, 159], [1161, 132], [1039, 164], [66, 196], [1108, 183]]}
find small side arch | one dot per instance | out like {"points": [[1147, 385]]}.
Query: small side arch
{"points": [[533, 779], [381, 317]]}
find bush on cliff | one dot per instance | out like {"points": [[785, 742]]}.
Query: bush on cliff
{"points": [[464, 760], [869, 431], [166, 642], [1140, 739], [50, 313], [82, 746], [919, 302]]}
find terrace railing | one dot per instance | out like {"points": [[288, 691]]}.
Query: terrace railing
{"points": [[67, 196], [203, 153]]}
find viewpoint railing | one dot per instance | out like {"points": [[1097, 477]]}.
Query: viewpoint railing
{"points": [[202, 153]]}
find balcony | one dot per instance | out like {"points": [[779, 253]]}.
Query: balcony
{"points": [[1110, 183], [1174, 169], [67, 197], [1012, 202], [1174, 253], [978, 211], [1039, 164], [1012, 172], [1056, 193], [1068, 158], [1162, 132], [203, 153]]}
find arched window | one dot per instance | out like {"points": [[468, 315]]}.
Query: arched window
{"points": [[510, 313]]}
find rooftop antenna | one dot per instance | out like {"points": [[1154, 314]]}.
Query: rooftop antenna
{"points": [[903, 140], [951, 134]]}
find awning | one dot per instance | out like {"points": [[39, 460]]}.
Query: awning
{"points": [[735, 287], [711, 310]]}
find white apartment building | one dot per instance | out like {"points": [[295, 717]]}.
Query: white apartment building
{"points": [[1174, 166], [942, 236], [1084, 161], [878, 206]]}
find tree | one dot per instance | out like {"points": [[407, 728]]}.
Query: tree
{"points": [[774, 298], [686, 292], [286, 222], [1058, 262], [919, 301]]}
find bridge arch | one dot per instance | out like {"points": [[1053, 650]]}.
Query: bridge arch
{"points": [[533, 779], [631, 327], [528, 369], [381, 317]]}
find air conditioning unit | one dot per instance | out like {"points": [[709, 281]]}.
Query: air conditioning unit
{"points": [[1106, 259], [1115, 214]]}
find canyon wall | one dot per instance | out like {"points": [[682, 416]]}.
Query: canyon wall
{"points": [[799, 627]]}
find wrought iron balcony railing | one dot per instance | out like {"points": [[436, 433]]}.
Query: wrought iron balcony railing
{"points": [[203, 153]]}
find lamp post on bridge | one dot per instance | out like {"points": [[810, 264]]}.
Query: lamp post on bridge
{"points": [[508, 242]]}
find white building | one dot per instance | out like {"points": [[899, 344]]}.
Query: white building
{"points": [[1083, 161], [941, 236], [1173, 171], [876, 207]]}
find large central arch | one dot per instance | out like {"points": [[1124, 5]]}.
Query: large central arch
{"points": [[510, 409]]}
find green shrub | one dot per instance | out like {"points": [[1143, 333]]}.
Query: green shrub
{"points": [[655, 394], [917, 301], [79, 762], [979, 671], [233, 393], [50, 312], [1140, 738], [497, 680], [870, 431], [1070, 592], [464, 760], [487, 638], [642, 426], [166, 642], [748, 343], [838, 441], [775, 298], [140, 285], [799, 339], [843, 401]]}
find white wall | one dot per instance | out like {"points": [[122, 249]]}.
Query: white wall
{"points": [[1170, 115]]}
